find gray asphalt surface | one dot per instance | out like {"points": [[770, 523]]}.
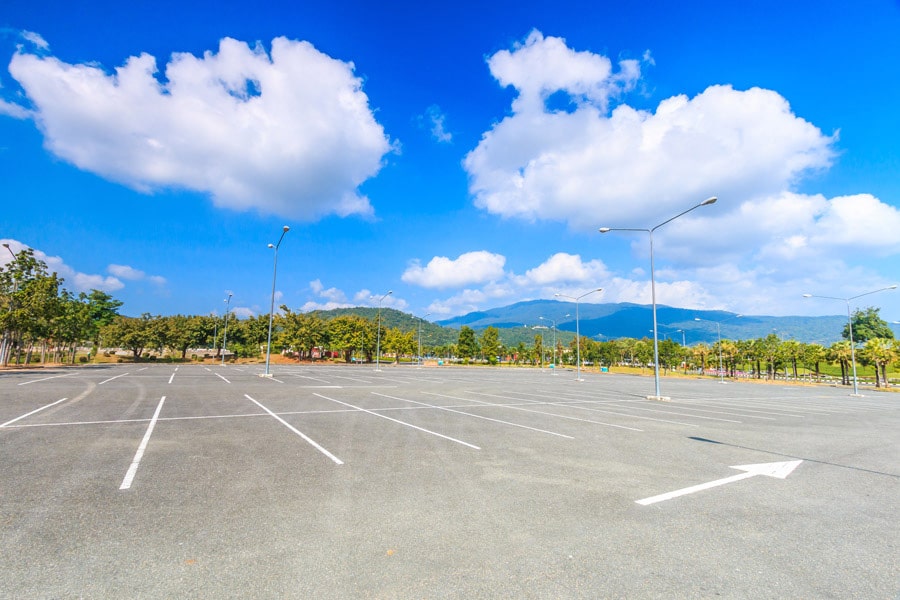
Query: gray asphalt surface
{"points": [[343, 482]]}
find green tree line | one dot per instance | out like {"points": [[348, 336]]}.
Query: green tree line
{"points": [[39, 316]]}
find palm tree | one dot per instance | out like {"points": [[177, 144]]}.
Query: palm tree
{"points": [[840, 352], [880, 352]]}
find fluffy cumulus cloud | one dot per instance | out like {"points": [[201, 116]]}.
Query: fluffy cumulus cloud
{"points": [[74, 280], [566, 268], [469, 268], [286, 132], [572, 149], [331, 298]]}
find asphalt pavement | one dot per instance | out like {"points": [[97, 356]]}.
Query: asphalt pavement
{"points": [[192, 481]]}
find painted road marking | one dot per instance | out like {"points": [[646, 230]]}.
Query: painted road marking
{"points": [[298, 432], [222, 378], [132, 470], [440, 435], [44, 379], [34, 411], [468, 414], [779, 470], [540, 412], [111, 378]]}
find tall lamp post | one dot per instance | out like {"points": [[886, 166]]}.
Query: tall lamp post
{"points": [[6, 346], [577, 331], [850, 325], [284, 230], [719, 335], [650, 231], [554, 338], [378, 333], [422, 318], [225, 335]]}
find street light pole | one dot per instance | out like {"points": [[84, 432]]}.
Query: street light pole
{"points": [[577, 330], [6, 346], [284, 230], [378, 333], [850, 326], [554, 340], [422, 318], [225, 335], [719, 334], [650, 231]]}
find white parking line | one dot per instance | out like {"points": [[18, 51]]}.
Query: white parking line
{"points": [[222, 378], [44, 379], [34, 411], [440, 435], [298, 432], [540, 412], [111, 378], [132, 470], [173, 375], [468, 414]]}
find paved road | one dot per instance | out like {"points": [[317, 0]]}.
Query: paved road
{"points": [[134, 481]]}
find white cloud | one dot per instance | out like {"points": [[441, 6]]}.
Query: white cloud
{"points": [[434, 119], [594, 168], [126, 272], [442, 272], [287, 133], [36, 39], [132, 274], [600, 162], [80, 282], [563, 267], [13, 110]]}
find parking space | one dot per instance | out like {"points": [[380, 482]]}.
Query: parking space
{"points": [[340, 482]]}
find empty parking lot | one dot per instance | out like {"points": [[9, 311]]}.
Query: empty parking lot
{"points": [[334, 482]]}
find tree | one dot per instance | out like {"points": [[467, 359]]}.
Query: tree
{"points": [[302, 331], [867, 325], [841, 353], [490, 344], [466, 345], [127, 332], [880, 352], [349, 333], [102, 309]]}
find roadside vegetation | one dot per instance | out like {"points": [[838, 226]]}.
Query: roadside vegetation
{"points": [[42, 322]]}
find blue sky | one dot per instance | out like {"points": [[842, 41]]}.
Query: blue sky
{"points": [[462, 155]]}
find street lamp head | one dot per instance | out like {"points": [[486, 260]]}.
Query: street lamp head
{"points": [[709, 201], [604, 230], [807, 295], [286, 228], [892, 287], [389, 292], [271, 245]]}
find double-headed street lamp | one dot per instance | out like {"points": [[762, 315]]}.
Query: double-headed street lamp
{"points": [[284, 230], [378, 334], [650, 231], [577, 331], [225, 335], [850, 325], [719, 333]]}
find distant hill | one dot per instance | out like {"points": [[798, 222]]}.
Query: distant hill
{"points": [[516, 323], [610, 321]]}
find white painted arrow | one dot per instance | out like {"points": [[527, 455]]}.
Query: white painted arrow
{"points": [[779, 470]]}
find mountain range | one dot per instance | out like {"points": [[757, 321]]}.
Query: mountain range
{"points": [[617, 320]]}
